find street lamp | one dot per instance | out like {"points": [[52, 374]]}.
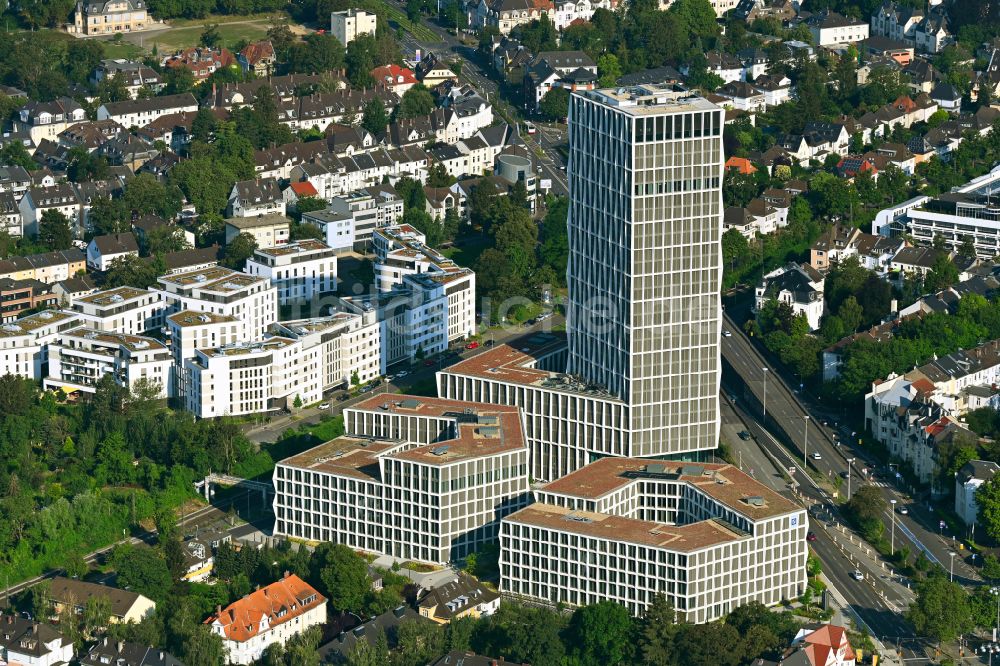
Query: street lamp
{"points": [[892, 522], [805, 444], [995, 591], [765, 394], [952, 574], [850, 461]]}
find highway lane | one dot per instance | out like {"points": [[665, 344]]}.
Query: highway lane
{"points": [[785, 409]]}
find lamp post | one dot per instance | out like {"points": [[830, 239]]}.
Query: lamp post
{"points": [[951, 576], [892, 522], [850, 461], [805, 444], [995, 591], [765, 395]]}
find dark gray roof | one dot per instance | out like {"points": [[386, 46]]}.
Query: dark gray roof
{"points": [[152, 104], [127, 654], [259, 190], [460, 658], [977, 469], [463, 588], [192, 257], [665, 74], [337, 650], [26, 636], [63, 589]]}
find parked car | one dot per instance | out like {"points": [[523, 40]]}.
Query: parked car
{"points": [[429, 363], [489, 343], [744, 435], [472, 345], [345, 396], [811, 536], [324, 405]]}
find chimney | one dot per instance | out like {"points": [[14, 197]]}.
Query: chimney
{"points": [[218, 610], [163, 656], [286, 574], [120, 646]]}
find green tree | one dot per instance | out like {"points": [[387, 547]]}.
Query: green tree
{"points": [[988, 499], [344, 574], [416, 102], [943, 273], [712, 644], [941, 610], [54, 230], [656, 632], [375, 118], [203, 125], [361, 59], [968, 248], [609, 70], [850, 314], [735, 248], [239, 250], [96, 614], [210, 36], [555, 104], [178, 80], [203, 648], [867, 507], [991, 568], [142, 569], [601, 634]]}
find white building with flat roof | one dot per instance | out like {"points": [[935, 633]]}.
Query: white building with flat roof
{"points": [[124, 310], [350, 23], [300, 270], [349, 344], [416, 478], [24, 342], [267, 230], [252, 300], [191, 330], [708, 537], [258, 377], [80, 357]]}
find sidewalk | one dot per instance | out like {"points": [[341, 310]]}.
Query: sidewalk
{"points": [[425, 580], [845, 616]]}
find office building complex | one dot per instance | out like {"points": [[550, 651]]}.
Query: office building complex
{"points": [[300, 270], [708, 537], [124, 310], [415, 478], [348, 343], [81, 357], [24, 343], [640, 377]]}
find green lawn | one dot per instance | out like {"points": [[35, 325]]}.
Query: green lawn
{"points": [[468, 246], [125, 50], [183, 37], [398, 16]]}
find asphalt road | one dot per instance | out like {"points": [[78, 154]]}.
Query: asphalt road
{"points": [[917, 529]]}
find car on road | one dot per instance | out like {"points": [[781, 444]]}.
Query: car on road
{"points": [[902, 510], [429, 363], [811, 536], [489, 343], [845, 474], [529, 128], [857, 575], [402, 373], [727, 333], [366, 389], [342, 398], [472, 345], [744, 435], [324, 405], [816, 456]]}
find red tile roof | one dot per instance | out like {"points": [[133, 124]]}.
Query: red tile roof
{"points": [[392, 75], [280, 602], [258, 51], [740, 164], [304, 189]]}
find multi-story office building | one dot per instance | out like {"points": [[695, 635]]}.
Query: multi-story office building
{"points": [[191, 330], [124, 310], [643, 313], [252, 378], [80, 357], [402, 250], [348, 342], [350, 23], [708, 537], [24, 343], [351, 218], [251, 300], [300, 270], [416, 478]]}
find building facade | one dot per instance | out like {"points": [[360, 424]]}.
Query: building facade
{"points": [[81, 357], [300, 270], [348, 24], [250, 299], [105, 17]]}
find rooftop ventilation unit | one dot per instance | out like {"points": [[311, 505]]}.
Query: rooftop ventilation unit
{"points": [[440, 450], [692, 470], [755, 500]]}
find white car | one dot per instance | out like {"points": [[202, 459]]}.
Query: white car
{"points": [[324, 405], [529, 128], [402, 373], [857, 575], [816, 456], [727, 334]]}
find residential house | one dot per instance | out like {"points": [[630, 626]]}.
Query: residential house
{"points": [[968, 480], [827, 645], [916, 260], [202, 61], [47, 267], [947, 97], [107, 17], [74, 287], [432, 71], [14, 179], [135, 75], [395, 78], [103, 250], [557, 69], [272, 614], [32, 643], [345, 643], [465, 658], [743, 96], [267, 230], [505, 15], [125, 605], [141, 112], [829, 28], [298, 190], [90, 135], [798, 285], [463, 596], [62, 198], [777, 89], [880, 47], [128, 150], [19, 296], [740, 165], [253, 198], [258, 57], [45, 120], [122, 653], [10, 215]]}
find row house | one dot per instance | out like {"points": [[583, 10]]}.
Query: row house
{"points": [[141, 112], [472, 112], [135, 75], [331, 175], [45, 120], [284, 88], [505, 15], [320, 110], [90, 135], [841, 242], [568, 11], [202, 61], [927, 30], [47, 267]]}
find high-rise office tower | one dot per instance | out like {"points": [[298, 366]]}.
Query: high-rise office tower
{"points": [[643, 315]]}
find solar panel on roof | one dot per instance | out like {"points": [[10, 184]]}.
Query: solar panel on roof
{"points": [[656, 469], [692, 470], [410, 403], [440, 450]]}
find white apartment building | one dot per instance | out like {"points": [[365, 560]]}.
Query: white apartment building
{"points": [[62, 198], [253, 378], [267, 230], [191, 330], [80, 357], [33, 643], [24, 343], [800, 286], [968, 479], [416, 478], [272, 614], [253, 301], [402, 250], [829, 28], [353, 217], [124, 310], [348, 24], [300, 270], [349, 343], [337, 228], [708, 537], [141, 112], [254, 198]]}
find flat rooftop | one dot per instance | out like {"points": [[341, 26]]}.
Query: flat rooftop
{"points": [[355, 457], [203, 276], [243, 348], [130, 342], [112, 296], [271, 220], [483, 429], [318, 324], [691, 537], [724, 483], [33, 322], [295, 247], [651, 99], [515, 364], [197, 318]]}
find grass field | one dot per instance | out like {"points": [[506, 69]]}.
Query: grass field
{"points": [[398, 16], [183, 37], [468, 247], [124, 49]]}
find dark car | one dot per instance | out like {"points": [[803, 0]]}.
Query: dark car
{"points": [[811, 536], [344, 397], [744, 435], [489, 343]]}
